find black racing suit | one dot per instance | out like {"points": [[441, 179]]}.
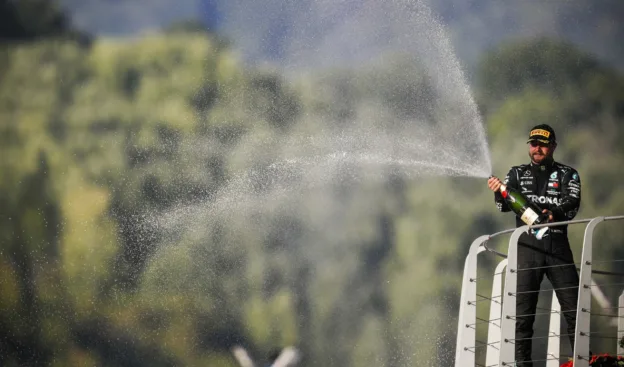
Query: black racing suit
{"points": [[555, 187]]}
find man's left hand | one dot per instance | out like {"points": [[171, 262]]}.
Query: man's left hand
{"points": [[550, 214]]}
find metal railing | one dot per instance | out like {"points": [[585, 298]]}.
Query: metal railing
{"points": [[500, 348]]}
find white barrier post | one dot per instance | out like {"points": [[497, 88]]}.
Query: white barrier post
{"points": [[466, 329], [554, 330], [496, 309], [583, 307], [508, 319]]}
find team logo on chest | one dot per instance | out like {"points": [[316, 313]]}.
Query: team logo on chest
{"points": [[553, 175], [543, 199]]}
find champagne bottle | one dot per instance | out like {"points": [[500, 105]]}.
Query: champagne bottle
{"points": [[524, 208]]}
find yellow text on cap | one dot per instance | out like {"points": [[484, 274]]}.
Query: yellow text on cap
{"points": [[541, 132]]}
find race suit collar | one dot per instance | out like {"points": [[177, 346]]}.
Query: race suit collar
{"points": [[546, 165]]}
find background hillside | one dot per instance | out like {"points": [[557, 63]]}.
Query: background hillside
{"points": [[475, 26]]}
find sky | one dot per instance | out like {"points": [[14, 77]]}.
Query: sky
{"points": [[267, 30]]}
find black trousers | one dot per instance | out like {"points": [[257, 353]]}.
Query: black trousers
{"points": [[554, 253]]}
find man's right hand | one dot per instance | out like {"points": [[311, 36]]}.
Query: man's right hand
{"points": [[494, 183]]}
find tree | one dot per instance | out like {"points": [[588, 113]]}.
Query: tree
{"points": [[27, 20], [541, 63]]}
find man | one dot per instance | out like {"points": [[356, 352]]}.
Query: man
{"points": [[555, 188]]}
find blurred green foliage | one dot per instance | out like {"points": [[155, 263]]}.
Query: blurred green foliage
{"points": [[96, 140], [29, 20]]}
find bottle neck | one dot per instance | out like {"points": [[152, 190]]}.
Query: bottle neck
{"points": [[503, 191]]}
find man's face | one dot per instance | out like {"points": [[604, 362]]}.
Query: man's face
{"points": [[539, 151]]}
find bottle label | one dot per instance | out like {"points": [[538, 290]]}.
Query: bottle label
{"points": [[529, 216]]}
